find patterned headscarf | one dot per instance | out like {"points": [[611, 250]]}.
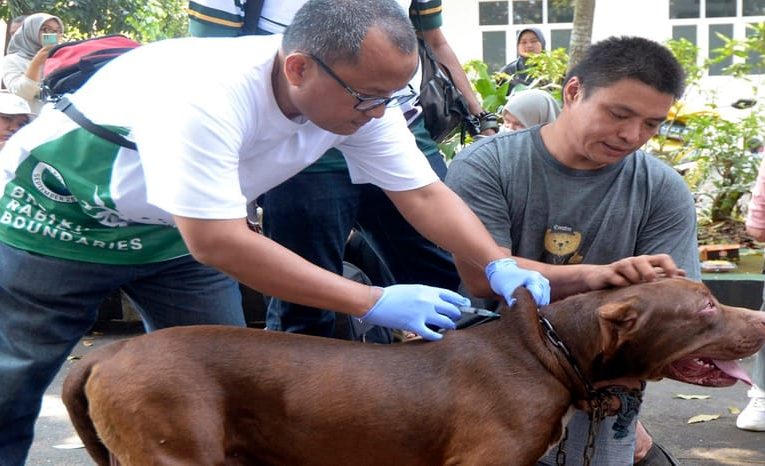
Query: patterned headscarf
{"points": [[26, 41]]}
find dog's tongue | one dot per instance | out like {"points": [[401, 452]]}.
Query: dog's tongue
{"points": [[733, 369]]}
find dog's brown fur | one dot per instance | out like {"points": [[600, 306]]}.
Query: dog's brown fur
{"points": [[492, 394]]}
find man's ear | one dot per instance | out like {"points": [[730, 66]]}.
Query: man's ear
{"points": [[572, 90], [295, 67], [616, 322]]}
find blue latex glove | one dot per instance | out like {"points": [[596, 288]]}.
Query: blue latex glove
{"points": [[505, 276], [410, 307]]}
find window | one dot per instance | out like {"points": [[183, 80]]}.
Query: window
{"points": [[679, 9], [492, 13], [560, 38], [560, 12], [755, 59], [494, 49], [753, 8], [702, 21], [715, 42], [500, 21], [527, 11], [685, 32], [720, 8]]}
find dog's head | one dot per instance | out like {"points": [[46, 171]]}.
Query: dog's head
{"points": [[667, 328]]}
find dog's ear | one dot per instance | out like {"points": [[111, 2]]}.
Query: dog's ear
{"points": [[616, 320]]}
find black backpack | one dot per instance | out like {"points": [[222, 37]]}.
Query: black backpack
{"points": [[443, 106]]}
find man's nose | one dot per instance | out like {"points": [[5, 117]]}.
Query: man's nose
{"points": [[631, 132], [376, 112]]}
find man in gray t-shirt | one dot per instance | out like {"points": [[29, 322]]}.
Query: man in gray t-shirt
{"points": [[577, 201], [541, 209]]}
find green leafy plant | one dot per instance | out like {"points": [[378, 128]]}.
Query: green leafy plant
{"points": [[547, 69], [753, 46], [723, 167], [668, 145], [491, 91], [143, 20], [687, 53]]}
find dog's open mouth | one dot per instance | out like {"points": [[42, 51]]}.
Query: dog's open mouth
{"points": [[707, 372]]}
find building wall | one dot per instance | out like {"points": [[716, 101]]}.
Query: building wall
{"points": [[646, 18], [461, 24]]}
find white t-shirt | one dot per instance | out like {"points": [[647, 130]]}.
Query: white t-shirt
{"points": [[210, 135]]}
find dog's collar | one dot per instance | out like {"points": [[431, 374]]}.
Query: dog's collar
{"points": [[598, 400], [552, 335], [590, 392]]}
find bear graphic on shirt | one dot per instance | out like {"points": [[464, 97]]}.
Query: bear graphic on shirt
{"points": [[562, 244]]}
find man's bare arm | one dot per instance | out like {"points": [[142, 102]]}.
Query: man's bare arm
{"points": [[264, 265], [566, 280]]}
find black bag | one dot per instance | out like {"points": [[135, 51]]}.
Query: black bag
{"points": [[65, 106], [443, 106], [71, 64]]}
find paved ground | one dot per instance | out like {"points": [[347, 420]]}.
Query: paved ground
{"points": [[716, 442]]}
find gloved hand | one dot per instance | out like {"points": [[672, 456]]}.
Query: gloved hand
{"points": [[410, 307], [505, 276]]}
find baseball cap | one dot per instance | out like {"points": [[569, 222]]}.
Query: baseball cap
{"points": [[11, 104]]}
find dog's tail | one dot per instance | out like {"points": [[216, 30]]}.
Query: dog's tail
{"points": [[76, 401]]}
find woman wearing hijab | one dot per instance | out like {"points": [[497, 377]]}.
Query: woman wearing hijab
{"points": [[529, 41], [22, 66], [529, 108]]}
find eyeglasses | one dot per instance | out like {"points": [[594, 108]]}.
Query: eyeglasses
{"points": [[49, 30], [366, 103]]}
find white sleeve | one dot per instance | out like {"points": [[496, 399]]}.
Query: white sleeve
{"points": [[17, 82]]}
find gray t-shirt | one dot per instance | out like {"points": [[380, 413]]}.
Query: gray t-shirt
{"points": [[545, 211]]}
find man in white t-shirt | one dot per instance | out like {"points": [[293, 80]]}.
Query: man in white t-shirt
{"points": [[216, 122], [324, 193]]}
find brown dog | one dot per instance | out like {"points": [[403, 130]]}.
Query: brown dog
{"points": [[492, 394]]}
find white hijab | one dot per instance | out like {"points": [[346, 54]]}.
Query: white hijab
{"points": [[532, 107]]}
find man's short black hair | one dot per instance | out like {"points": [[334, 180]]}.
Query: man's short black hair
{"points": [[616, 58]]}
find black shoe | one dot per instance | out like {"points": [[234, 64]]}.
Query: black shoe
{"points": [[658, 456]]}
